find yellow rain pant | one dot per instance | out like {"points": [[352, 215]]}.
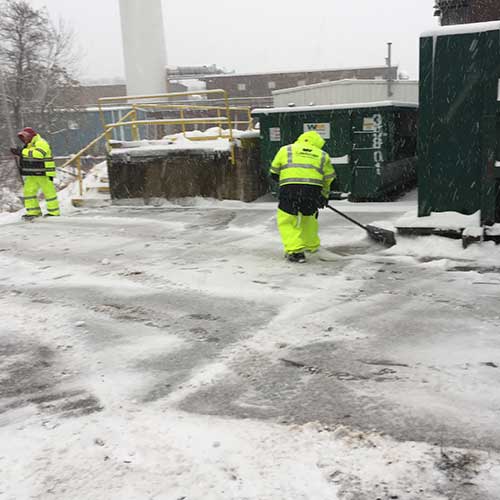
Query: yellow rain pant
{"points": [[32, 185], [298, 232]]}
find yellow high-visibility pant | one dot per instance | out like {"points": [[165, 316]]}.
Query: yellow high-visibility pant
{"points": [[32, 185], [298, 232]]}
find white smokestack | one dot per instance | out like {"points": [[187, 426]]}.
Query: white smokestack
{"points": [[143, 46]]}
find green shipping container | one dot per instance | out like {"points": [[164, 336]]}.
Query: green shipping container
{"points": [[372, 146]]}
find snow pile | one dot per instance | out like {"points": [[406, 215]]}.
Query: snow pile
{"points": [[196, 140], [444, 252], [10, 186], [9, 201], [90, 182], [493, 230], [441, 220]]}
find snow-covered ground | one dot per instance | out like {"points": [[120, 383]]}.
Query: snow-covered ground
{"points": [[171, 353], [10, 185]]}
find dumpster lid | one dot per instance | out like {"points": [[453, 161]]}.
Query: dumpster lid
{"points": [[330, 107], [462, 29]]}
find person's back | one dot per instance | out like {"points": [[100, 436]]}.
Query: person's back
{"points": [[303, 162], [304, 173]]}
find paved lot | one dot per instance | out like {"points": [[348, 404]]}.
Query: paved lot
{"points": [[195, 310]]}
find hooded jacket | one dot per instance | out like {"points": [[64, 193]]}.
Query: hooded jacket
{"points": [[304, 162], [37, 158]]}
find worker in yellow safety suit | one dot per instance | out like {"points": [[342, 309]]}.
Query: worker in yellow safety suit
{"points": [[38, 169], [305, 173]]}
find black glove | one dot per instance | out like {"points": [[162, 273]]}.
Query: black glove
{"points": [[16, 151], [275, 177], [322, 202]]}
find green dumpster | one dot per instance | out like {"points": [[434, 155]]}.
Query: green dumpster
{"points": [[459, 129], [372, 146]]}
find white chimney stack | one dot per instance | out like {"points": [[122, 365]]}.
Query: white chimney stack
{"points": [[143, 46]]}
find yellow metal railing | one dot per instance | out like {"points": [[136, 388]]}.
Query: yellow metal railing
{"points": [[224, 117], [76, 160], [144, 102], [182, 108]]}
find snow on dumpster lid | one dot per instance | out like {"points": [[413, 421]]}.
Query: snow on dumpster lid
{"points": [[331, 107], [462, 29], [440, 220], [341, 160]]}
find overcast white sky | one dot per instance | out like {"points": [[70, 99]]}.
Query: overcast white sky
{"points": [[259, 35]]}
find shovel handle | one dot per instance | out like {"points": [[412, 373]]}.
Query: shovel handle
{"points": [[347, 217]]}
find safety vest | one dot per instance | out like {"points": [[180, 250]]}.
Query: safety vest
{"points": [[37, 159], [302, 163]]}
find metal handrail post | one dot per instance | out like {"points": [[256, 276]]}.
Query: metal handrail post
{"points": [[135, 128], [230, 124], [220, 122], [183, 125], [79, 169], [103, 122]]}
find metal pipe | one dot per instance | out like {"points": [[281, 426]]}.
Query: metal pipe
{"points": [[390, 93]]}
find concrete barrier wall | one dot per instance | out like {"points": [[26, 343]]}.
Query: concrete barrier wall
{"points": [[148, 174]]}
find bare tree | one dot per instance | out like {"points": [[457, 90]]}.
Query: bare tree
{"points": [[39, 61]]}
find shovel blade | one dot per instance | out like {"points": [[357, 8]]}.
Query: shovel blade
{"points": [[380, 235]]}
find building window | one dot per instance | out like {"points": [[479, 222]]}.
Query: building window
{"points": [[301, 83], [242, 86], [271, 85]]}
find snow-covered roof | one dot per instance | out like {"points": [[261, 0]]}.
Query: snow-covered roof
{"points": [[288, 71], [331, 107], [347, 81], [462, 29]]}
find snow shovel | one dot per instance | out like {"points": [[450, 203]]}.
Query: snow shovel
{"points": [[383, 236]]}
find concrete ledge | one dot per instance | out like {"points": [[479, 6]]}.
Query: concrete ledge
{"points": [[182, 173]]}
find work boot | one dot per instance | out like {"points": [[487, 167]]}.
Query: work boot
{"points": [[51, 215], [298, 257], [29, 218]]}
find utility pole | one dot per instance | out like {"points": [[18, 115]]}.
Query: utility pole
{"points": [[389, 78]]}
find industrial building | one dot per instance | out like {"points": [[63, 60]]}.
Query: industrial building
{"points": [[348, 92]]}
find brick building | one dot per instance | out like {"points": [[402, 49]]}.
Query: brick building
{"points": [[467, 11], [255, 87], [249, 89]]}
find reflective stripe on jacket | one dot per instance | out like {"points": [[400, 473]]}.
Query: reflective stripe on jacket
{"points": [[37, 158], [304, 163]]}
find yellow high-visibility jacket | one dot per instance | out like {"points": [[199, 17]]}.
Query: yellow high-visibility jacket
{"points": [[304, 162], [37, 158]]}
